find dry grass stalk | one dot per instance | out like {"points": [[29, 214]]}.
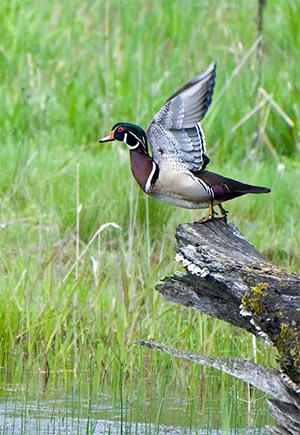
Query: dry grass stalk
{"points": [[278, 109]]}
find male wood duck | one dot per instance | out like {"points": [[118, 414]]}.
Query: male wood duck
{"points": [[175, 173]]}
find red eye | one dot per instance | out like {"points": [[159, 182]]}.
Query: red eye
{"points": [[120, 129]]}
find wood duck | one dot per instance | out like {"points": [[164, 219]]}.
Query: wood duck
{"points": [[175, 172]]}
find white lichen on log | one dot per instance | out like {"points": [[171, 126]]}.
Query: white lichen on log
{"points": [[229, 279]]}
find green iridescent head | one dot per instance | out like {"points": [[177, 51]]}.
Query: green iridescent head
{"points": [[130, 134]]}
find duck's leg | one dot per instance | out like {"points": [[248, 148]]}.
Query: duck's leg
{"points": [[224, 212], [212, 214]]}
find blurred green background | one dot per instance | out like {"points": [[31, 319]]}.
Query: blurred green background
{"points": [[69, 71]]}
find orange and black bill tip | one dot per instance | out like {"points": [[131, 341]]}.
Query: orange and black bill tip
{"points": [[108, 138]]}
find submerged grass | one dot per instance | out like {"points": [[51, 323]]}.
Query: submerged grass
{"points": [[154, 404], [69, 71]]}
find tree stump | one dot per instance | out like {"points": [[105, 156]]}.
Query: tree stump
{"points": [[227, 278]]}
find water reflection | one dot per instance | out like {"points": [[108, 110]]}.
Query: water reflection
{"points": [[12, 423], [86, 406]]}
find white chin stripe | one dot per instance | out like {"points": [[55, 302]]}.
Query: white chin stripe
{"points": [[131, 147], [125, 139], [149, 179]]}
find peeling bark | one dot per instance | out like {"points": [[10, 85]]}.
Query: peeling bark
{"points": [[227, 278]]}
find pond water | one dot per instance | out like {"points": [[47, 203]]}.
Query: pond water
{"points": [[80, 406], [51, 418]]}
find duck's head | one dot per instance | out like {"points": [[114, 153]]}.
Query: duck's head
{"points": [[130, 134]]}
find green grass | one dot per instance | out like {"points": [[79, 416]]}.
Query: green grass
{"points": [[69, 71]]}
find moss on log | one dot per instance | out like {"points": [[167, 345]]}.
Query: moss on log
{"points": [[227, 278]]}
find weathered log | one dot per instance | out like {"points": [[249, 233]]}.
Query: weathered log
{"points": [[229, 279]]}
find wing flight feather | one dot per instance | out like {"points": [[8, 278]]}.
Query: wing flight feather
{"points": [[178, 120]]}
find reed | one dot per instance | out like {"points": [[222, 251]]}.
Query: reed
{"points": [[81, 247]]}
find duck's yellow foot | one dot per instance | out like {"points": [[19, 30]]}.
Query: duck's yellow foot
{"points": [[211, 214], [214, 215], [224, 212], [205, 219]]}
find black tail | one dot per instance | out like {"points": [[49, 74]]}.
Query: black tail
{"points": [[225, 188], [248, 188], [234, 186]]}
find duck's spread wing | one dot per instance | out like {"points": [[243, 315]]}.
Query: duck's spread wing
{"points": [[175, 129], [189, 104]]}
